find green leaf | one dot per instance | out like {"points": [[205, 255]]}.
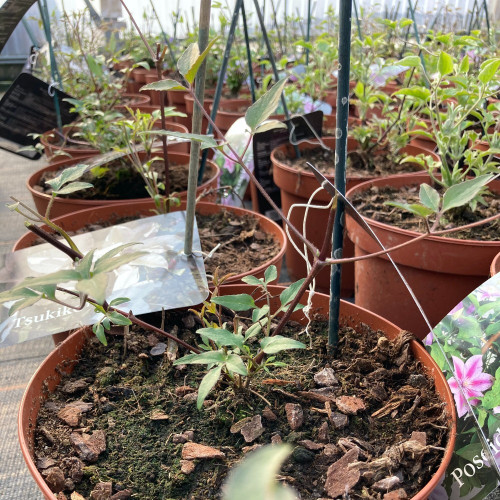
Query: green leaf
{"points": [[272, 345], [119, 319], [94, 66], [204, 358], [16, 294], [488, 70], [252, 280], [111, 253], [94, 287], [418, 92], [207, 384], [269, 125], [83, 266], [190, 74], [164, 85], [271, 274], [104, 266], [22, 304], [290, 293], [260, 313], [411, 61], [235, 364], [445, 64], [69, 174], [264, 107], [221, 337], [98, 329], [118, 301], [263, 464], [74, 187], [464, 192], [492, 397], [464, 65], [205, 141], [414, 208], [240, 302], [253, 330], [429, 197], [48, 291], [61, 276]]}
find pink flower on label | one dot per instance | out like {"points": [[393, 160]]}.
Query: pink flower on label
{"points": [[470, 377], [229, 165]]}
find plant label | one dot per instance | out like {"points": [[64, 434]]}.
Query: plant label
{"points": [[162, 278], [303, 127], [466, 346], [28, 108]]}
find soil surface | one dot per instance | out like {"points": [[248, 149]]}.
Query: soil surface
{"points": [[371, 204], [122, 181], [359, 164], [142, 435], [243, 246]]}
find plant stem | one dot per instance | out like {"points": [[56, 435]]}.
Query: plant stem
{"points": [[199, 91]]}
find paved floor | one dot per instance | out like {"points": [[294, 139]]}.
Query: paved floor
{"points": [[19, 362]]}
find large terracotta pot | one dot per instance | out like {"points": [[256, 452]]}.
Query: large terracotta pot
{"points": [[128, 99], [296, 188], [78, 220], [229, 111], [441, 271], [55, 151], [64, 206], [63, 359]]}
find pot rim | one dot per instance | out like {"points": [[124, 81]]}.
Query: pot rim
{"points": [[351, 144], [389, 181], [348, 311]]}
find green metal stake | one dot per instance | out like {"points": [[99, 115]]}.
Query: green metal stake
{"points": [[360, 35], [488, 27], [249, 52], [308, 32], [471, 21], [54, 72], [93, 14], [30, 33], [417, 36], [345, 19], [203, 35], [220, 81]]}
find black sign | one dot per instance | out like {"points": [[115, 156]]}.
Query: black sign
{"points": [[26, 108], [303, 127]]}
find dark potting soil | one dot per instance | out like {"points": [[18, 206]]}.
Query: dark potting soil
{"points": [[371, 204], [121, 181], [243, 246], [359, 164], [371, 405]]}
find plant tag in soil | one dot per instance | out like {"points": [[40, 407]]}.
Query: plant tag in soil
{"points": [[304, 127], [27, 108], [162, 278], [466, 346]]}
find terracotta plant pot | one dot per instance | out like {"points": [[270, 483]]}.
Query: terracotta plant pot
{"points": [[441, 271], [78, 220], [55, 151], [129, 99], [296, 187], [64, 206], [176, 98], [495, 265], [229, 111], [63, 359]]}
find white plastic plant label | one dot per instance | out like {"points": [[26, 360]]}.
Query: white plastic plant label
{"points": [[466, 346], [162, 278]]}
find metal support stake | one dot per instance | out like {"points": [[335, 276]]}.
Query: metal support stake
{"points": [[417, 36], [273, 65], [93, 14], [488, 27], [308, 32], [203, 35], [55, 75], [220, 81], [249, 52], [345, 14], [360, 35]]}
